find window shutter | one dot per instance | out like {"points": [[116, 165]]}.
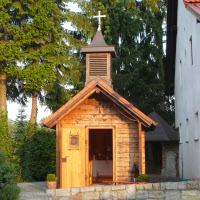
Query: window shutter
{"points": [[98, 65]]}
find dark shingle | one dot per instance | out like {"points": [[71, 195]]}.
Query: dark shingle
{"points": [[163, 132]]}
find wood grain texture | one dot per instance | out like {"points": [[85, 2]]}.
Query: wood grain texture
{"points": [[98, 111]]}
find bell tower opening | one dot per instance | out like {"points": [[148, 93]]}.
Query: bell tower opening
{"points": [[99, 58]]}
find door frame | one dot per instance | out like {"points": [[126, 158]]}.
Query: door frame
{"points": [[87, 128]]}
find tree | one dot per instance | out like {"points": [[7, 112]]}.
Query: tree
{"points": [[136, 30], [44, 51], [20, 124]]}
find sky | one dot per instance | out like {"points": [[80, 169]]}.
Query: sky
{"points": [[43, 111]]}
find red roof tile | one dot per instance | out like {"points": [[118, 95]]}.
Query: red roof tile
{"points": [[191, 1], [194, 7], [142, 117]]}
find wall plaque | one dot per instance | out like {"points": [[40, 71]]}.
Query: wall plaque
{"points": [[74, 140]]}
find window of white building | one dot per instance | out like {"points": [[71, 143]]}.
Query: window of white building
{"points": [[187, 131], [196, 129]]}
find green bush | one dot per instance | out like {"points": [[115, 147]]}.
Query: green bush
{"points": [[10, 192], [51, 177], [7, 170], [39, 155], [143, 178]]}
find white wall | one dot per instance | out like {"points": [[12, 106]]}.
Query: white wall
{"points": [[187, 92]]}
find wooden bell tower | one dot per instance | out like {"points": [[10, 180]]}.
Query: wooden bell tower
{"points": [[99, 58]]}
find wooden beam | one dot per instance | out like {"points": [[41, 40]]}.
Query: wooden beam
{"points": [[141, 150], [57, 156]]}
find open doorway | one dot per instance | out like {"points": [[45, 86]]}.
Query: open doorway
{"points": [[100, 155]]}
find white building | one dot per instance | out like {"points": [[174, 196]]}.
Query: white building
{"points": [[187, 87]]}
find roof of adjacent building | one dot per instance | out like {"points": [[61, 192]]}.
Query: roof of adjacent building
{"points": [[194, 7], [99, 45], [163, 132], [106, 90]]}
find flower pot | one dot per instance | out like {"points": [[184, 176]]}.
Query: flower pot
{"points": [[51, 184]]}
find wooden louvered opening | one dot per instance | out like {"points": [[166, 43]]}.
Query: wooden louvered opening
{"points": [[98, 65]]}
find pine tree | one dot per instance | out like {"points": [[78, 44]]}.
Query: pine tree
{"points": [[136, 30], [20, 124], [42, 46]]}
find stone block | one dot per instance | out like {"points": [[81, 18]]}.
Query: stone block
{"points": [[156, 186], [190, 198], [75, 191], [118, 187], [156, 194], [87, 189], [142, 194], [182, 185], [171, 186], [65, 192], [91, 196], [139, 186], [148, 186], [131, 191], [173, 195], [192, 185], [163, 186], [64, 198], [98, 188], [122, 194], [51, 192], [108, 195], [190, 192], [107, 188], [79, 196]]}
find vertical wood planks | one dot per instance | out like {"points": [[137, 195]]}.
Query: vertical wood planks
{"points": [[141, 149]]}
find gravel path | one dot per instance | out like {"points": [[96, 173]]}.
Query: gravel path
{"points": [[33, 191]]}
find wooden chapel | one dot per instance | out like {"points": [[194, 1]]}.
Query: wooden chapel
{"points": [[99, 134]]}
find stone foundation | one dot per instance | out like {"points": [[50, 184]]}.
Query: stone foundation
{"points": [[169, 191]]}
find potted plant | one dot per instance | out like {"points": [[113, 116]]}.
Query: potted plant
{"points": [[51, 181]]}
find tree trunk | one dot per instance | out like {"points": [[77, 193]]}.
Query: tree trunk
{"points": [[2, 92], [34, 107]]}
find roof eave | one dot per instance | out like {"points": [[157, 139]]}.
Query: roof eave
{"points": [[193, 11], [50, 122], [100, 49]]}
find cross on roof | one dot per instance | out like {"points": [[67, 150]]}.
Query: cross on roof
{"points": [[99, 19]]}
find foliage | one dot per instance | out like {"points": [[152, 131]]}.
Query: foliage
{"points": [[5, 144], [20, 124], [136, 30], [38, 154], [7, 169], [57, 96], [51, 177], [35, 47], [143, 178], [11, 128], [10, 192]]}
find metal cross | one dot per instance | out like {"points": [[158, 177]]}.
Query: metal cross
{"points": [[99, 19]]}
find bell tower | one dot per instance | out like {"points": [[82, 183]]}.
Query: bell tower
{"points": [[99, 57]]}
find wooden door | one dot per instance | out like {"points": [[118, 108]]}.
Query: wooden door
{"points": [[73, 158]]}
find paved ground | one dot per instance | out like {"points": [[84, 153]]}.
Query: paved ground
{"points": [[33, 191]]}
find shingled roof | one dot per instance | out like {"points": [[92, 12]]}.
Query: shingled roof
{"points": [[106, 90], [99, 45], [194, 7], [163, 132], [98, 40]]}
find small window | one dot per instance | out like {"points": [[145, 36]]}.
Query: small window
{"points": [[187, 131], [191, 50]]}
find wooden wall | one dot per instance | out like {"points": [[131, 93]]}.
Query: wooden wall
{"points": [[99, 111]]}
